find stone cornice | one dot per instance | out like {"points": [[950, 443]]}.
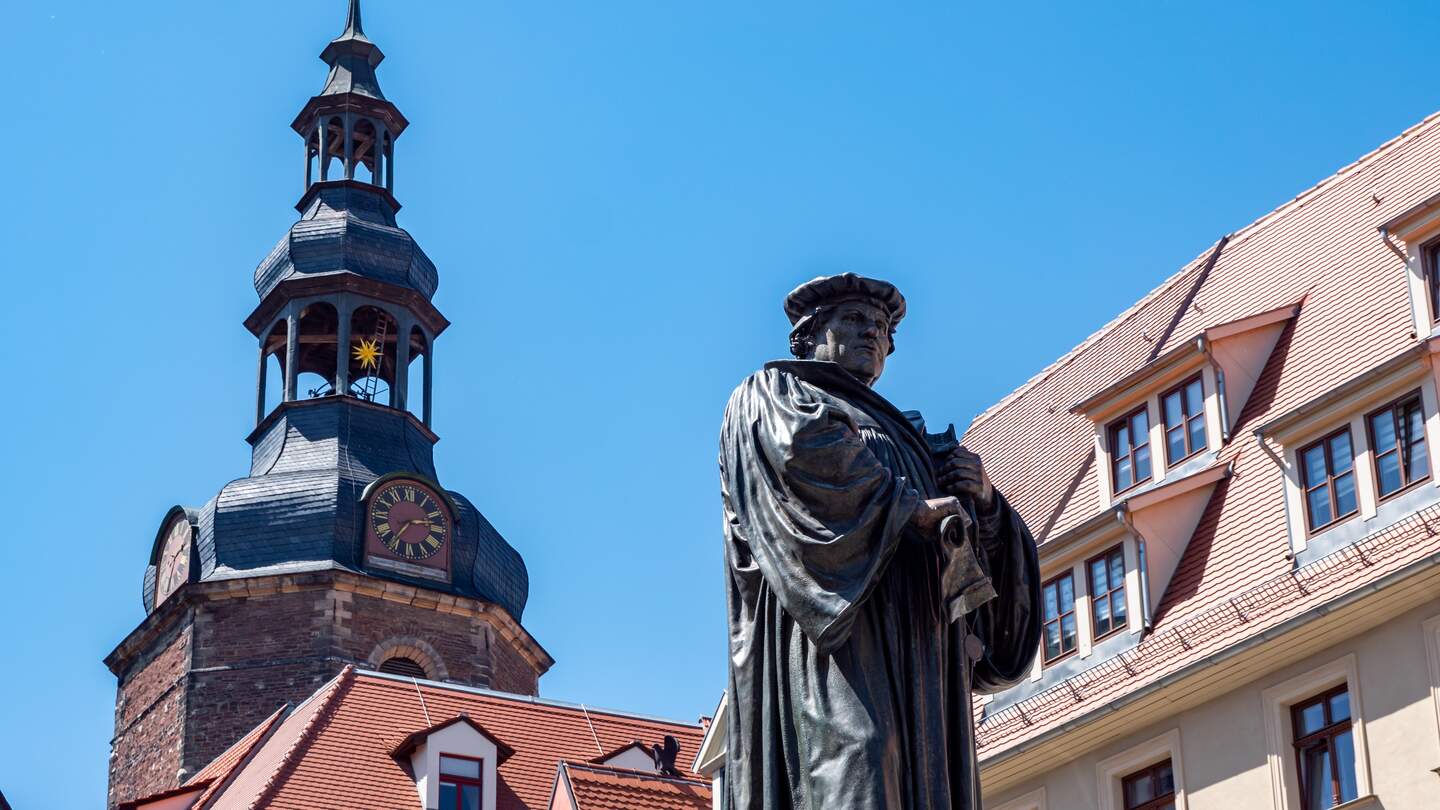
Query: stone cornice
{"points": [[181, 602]]}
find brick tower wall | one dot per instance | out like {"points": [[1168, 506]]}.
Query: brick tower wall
{"points": [[149, 718], [242, 650]]}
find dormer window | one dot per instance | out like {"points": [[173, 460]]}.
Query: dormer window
{"points": [[454, 764], [1430, 258], [1327, 474], [1060, 631], [1107, 592], [1184, 410], [461, 783], [1130, 449], [1397, 439]]}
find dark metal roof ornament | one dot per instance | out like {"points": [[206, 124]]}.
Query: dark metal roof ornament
{"points": [[352, 58], [665, 756]]}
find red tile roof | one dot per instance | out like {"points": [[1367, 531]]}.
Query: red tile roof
{"points": [[221, 766], [598, 787], [335, 750], [1323, 246]]}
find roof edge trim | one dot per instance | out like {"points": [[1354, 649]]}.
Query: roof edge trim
{"points": [[1282, 423], [1209, 475], [1103, 399]]}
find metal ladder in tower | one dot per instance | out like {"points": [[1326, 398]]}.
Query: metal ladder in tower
{"points": [[370, 386]]}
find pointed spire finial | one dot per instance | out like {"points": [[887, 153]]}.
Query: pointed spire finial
{"points": [[352, 22]]}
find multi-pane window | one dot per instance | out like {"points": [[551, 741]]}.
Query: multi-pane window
{"points": [[1059, 628], [1324, 750], [1107, 591], [1397, 436], [1130, 449], [460, 783], [1327, 473], [1183, 408], [1432, 276], [1150, 789]]}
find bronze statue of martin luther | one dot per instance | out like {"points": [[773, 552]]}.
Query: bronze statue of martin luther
{"points": [[876, 578]]}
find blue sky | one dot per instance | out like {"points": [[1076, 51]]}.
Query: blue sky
{"points": [[617, 196]]}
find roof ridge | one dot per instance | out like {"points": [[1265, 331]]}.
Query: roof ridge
{"points": [[1335, 178], [620, 771], [269, 719], [220, 782], [1093, 338], [518, 698], [338, 685]]}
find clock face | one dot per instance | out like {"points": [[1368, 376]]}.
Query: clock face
{"points": [[409, 520], [173, 568]]}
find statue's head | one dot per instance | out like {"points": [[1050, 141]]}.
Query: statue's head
{"points": [[847, 319]]}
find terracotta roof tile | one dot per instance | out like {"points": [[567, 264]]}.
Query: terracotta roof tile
{"points": [[335, 750], [597, 787], [1324, 246]]}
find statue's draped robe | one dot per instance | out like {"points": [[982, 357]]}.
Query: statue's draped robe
{"points": [[850, 685]]}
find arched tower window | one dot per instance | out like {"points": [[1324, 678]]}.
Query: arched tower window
{"points": [[364, 144], [332, 163], [409, 656], [417, 397], [373, 338], [315, 358], [312, 158], [400, 665], [272, 371], [387, 149]]}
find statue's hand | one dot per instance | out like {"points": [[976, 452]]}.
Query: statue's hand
{"points": [[964, 475], [929, 514]]}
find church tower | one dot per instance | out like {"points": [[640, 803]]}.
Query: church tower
{"points": [[340, 545]]}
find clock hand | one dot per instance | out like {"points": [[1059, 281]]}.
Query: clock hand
{"points": [[410, 523]]}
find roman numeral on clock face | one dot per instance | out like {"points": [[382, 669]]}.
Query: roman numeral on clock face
{"points": [[400, 511]]}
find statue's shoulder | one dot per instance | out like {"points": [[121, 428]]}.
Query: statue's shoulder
{"points": [[775, 382]]}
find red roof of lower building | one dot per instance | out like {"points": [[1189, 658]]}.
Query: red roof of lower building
{"points": [[599, 787], [337, 748]]}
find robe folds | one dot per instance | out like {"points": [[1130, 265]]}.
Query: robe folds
{"points": [[851, 671]]}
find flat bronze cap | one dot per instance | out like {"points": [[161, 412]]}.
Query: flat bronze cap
{"points": [[846, 286]]}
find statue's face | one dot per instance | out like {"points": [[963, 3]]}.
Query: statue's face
{"points": [[857, 338]]}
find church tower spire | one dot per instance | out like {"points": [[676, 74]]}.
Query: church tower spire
{"points": [[351, 122], [340, 546]]}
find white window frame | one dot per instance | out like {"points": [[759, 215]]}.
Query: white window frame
{"points": [[1352, 412], [1111, 772], [1074, 561], [1160, 468], [1279, 735], [1360, 459], [1034, 800]]}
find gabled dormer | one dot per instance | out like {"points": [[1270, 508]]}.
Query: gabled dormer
{"points": [[1169, 418], [1357, 458], [1418, 229], [453, 764]]}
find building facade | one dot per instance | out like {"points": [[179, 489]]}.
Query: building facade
{"points": [[1236, 496], [339, 546], [1237, 506]]}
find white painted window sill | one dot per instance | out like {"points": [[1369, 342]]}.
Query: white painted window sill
{"points": [[1361, 803]]}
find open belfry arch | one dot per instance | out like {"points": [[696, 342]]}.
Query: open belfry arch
{"points": [[340, 541]]}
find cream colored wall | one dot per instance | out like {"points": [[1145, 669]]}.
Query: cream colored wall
{"points": [[1223, 742]]}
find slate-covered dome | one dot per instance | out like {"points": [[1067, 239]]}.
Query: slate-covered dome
{"points": [[300, 508], [347, 228]]}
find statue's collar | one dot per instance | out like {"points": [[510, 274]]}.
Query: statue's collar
{"points": [[836, 380]]}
